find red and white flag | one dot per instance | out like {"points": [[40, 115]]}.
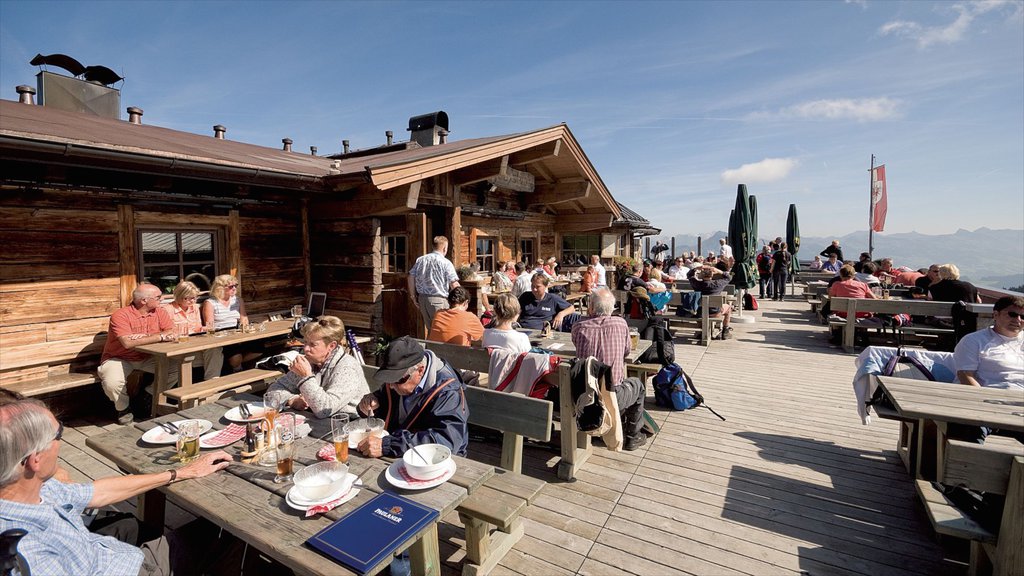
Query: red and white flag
{"points": [[879, 201]]}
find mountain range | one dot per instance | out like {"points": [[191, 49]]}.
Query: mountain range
{"points": [[992, 258]]}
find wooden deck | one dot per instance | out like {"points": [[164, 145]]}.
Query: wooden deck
{"points": [[791, 483]]}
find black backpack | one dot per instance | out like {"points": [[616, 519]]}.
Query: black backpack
{"points": [[663, 351]]}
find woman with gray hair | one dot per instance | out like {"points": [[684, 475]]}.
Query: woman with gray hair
{"points": [[184, 310], [327, 379], [950, 288]]}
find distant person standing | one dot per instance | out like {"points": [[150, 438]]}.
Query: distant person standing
{"points": [[764, 273], [781, 260], [602, 275], [725, 251], [834, 248], [430, 280]]}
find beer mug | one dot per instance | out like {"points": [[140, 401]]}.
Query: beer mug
{"points": [[634, 338], [284, 432], [187, 442]]}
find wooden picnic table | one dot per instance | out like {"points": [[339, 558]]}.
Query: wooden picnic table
{"points": [[560, 343], [184, 354], [246, 502], [883, 306]]}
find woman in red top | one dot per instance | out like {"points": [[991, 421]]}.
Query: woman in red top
{"points": [[589, 280], [848, 287]]}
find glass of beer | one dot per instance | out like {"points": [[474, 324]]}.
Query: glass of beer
{"points": [[285, 433], [634, 338], [188, 441], [296, 311], [340, 436], [182, 330]]}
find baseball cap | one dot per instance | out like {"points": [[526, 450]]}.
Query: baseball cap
{"points": [[401, 355]]}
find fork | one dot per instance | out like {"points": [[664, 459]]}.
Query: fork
{"points": [[170, 427], [244, 410]]}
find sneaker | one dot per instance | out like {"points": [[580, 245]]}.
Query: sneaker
{"points": [[634, 443], [726, 336], [125, 417]]}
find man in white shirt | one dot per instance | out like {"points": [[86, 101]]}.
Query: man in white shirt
{"points": [[602, 275], [725, 252], [523, 279], [678, 270], [430, 280]]}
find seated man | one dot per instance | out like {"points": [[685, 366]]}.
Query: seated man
{"points": [[456, 325], [606, 338], [141, 322], [993, 358], [34, 499], [832, 265], [421, 400], [522, 284], [539, 306], [709, 280], [679, 269]]}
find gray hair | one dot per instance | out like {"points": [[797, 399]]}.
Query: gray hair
{"points": [[25, 428], [602, 302], [143, 290]]}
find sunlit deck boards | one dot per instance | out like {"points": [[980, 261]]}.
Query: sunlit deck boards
{"points": [[791, 483]]}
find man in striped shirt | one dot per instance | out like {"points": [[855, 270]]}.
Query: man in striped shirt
{"points": [[430, 280]]}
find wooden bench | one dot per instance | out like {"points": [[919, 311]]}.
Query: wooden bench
{"points": [[56, 383], [705, 322], [876, 306], [253, 380], [994, 470]]}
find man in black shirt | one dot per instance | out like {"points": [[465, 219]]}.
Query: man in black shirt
{"points": [[833, 248]]}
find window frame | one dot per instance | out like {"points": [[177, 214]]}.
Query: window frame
{"points": [[528, 256], [142, 265], [591, 244], [482, 257], [389, 259]]}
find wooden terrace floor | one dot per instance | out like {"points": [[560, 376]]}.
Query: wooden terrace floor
{"points": [[790, 483]]}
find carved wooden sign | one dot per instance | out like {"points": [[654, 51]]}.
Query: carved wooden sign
{"points": [[515, 180]]}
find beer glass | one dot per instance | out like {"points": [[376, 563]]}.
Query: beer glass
{"points": [[285, 433], [634, 338], [270, 414], [296, 311], [181, 328], [188, 441], [340, 435]]}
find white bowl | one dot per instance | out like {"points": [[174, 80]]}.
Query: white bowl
{"points": [[320, 480], [436, 457], [363, 427]]}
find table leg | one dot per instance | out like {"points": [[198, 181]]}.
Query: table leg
{"points": [[159, 384], [424, 557], [925, 456], [576, 446], [151, 510]]}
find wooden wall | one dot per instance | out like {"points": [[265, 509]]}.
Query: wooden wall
{"points": [[69, 262], [345, 263]]}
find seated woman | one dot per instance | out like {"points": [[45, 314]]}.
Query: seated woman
{"points": [[849, 287], [184, 309], [456, 325], [500, 280], [589, 281], [503, 335], [327, 379], [224, 309]]}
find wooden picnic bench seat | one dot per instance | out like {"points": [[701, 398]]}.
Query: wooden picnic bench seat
{"points": [[56, 383], [253, 380], [994, 470]]}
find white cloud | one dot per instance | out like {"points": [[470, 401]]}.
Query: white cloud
{"points": [[767, 170], [953, 32], [861, 110]]}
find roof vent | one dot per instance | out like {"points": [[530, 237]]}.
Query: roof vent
{"points": [[344, 146], [426, 128], [218, 132], [287, 144], [26, 94], [312, 150], [134, 115], [391, 137], [442, 136]]}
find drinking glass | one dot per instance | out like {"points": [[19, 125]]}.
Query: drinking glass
{"points": [[296, 311], [339, 433], [285, 433], [634, 338], [270, 414], [181, 329], [188, 441]]}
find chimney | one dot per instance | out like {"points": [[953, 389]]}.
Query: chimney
{"points": [[287, 144], [218, 132], [426, 128], [26, 94], [442, 136], [312, 150], [391, 137], [134, 115], [344, 146]]}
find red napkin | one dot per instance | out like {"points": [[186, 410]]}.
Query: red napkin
{"points": [[327, 453], [321, 508], [229, 435], [405, 476]]}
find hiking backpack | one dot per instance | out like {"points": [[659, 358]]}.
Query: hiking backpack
{"points": [[673, 388], [663, 351]]}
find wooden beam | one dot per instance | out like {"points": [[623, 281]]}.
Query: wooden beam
{"points": [[234, 259], [368, 201], [480, 172], [549, 150], [307, 269], [583, 222], [561, 192], [515, 180], [127, 262]]}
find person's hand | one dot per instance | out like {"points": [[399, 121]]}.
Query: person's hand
{"points": [[556, 323], [301, 367], [206, 464], [298, 403], [415, 300], [368, 404], [371, 447]]}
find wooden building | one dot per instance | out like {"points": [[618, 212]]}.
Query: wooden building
{"points": [[90, 206]]}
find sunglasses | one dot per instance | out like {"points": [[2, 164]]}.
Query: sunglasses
{"points": [[1015, 315], [402, 380]]}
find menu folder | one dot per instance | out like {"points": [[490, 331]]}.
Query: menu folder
{"points": [[368, 534]]}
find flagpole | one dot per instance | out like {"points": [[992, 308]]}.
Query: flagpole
{"points": [[871, 208]]}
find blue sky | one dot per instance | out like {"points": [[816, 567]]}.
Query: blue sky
{"points": [[674, 102]]}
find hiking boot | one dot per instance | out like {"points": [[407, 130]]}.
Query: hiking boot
{"points": [[125, 417], [634, 443], [726, 335]]}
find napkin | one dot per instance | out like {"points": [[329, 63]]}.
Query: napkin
{"points": [[322, 508], [405, 476], [327, 453], [229, 435]]}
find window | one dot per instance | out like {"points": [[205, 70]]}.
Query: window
{"points": [[396, 254], [526, 252], [485, 249], [577, 250], [169, 257]]}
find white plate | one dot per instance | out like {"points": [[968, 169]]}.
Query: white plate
{"points": [[157, 435], [204, 440], [293, 499], [256, 408], [393, 477]]}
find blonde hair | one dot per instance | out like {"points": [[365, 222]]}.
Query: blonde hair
{"points": [[185, 289], [949, 272], [506, 307], [326, 328], [220, 284]]}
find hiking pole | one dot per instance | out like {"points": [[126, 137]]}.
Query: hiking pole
{"points": [[713, 411]]}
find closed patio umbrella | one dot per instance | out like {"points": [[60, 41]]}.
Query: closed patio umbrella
{"points": [[742, 241], [793, 238]]}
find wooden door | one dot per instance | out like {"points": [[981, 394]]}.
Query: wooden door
{"points": [[400, 317]]}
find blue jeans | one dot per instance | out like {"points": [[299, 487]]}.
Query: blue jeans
{"points": [[779, 282], [764, 286]]}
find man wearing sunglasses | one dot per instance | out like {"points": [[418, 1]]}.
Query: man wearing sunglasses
{"points": [[33, 499], [994, 356], [421, 401]]}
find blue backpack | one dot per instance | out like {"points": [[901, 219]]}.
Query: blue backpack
{"points": [[673, 388]]}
